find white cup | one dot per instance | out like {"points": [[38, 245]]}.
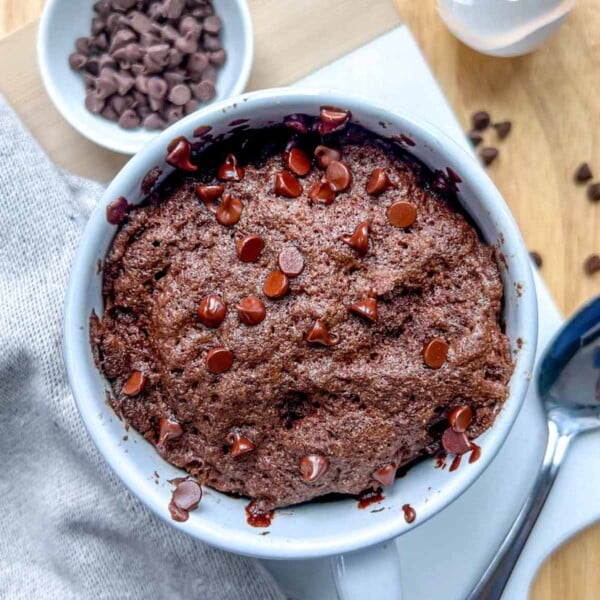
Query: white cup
{"points": [[318, 529]]}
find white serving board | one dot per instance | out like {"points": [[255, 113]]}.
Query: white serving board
{"points": [[444, 557]]}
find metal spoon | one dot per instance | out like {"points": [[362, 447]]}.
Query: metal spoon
{"points": [[569, 387]]}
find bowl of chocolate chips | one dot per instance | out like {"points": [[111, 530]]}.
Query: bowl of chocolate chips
{"points": [[121, 71], [303, 315]]}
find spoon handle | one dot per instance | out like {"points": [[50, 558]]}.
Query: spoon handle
{"points": [[496, 576]]}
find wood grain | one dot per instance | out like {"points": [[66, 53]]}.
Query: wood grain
{"points": [[550, 96]]}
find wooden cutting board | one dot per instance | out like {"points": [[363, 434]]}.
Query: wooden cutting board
{"points": [[551, 96]]}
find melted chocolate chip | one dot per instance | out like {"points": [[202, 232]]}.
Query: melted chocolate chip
{"points": [[313, 466], [229, 170], [338, 175], [239, 444], [212, 311], [460, 418], [219, 360], [209, 194], [180, 155], [332, 119], [319, 334], [249, 248], [287, 185], [325, 155], [455, 442], [435, 352], [378, 183], [251, 310], [117, 210], [170, 429], [276, 285], [135, 384], [402, 214], [386, 475], [358, 239], [366, 308], [322, 191], [297, 161], [291, 261], [229, 210]]}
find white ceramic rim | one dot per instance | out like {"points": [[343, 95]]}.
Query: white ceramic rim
{"points": [[518, 264], [123, 143]]}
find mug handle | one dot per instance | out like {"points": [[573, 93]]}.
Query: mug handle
{"points": [[370, 573]]}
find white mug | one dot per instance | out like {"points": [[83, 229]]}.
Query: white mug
{"points": [[358, 540]]}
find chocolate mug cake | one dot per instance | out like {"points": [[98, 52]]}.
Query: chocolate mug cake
{"points": [[301, 310]]}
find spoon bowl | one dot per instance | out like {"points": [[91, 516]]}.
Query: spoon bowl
{"points": [[569, 386]]}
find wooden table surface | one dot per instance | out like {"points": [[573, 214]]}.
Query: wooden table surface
{"points": [[550, 96]]}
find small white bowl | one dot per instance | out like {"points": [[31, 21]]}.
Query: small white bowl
{"points": [[63, 21]]}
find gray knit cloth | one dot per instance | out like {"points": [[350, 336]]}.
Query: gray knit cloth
{"points": [[68, 527]]}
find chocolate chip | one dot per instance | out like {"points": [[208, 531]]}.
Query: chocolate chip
{"points": [[593, 192], [229, 170], [502, 128], [325, 155], [173, 113], [129, 119], [460, 418], [212, 24], [211, 42], [402, 214], [170, 429], [378, 183], [209, 194], [591, 264], [291, 261], [173, 9], [319, 334], [180, 155], [338, 175], [287, 185], [251, 310], [488, 155], [276, 285], [77, 61], [82, 45], [197, 62], [332, 119], [386, 475], [229, 210], [249, 248], [536, 257], [366, 308], [435, 352], [190, 25], [297, 162], [202, 131], [322, 191], [154, 121], [218, 57], [212, 311], [180, 94], [454, 442], [203, 91], [358, 239], [480, 120], [135, 384], [475, 137], [123, 5], [313, 466], [239, 444], [117, 210], [94, 103], [583, 173], [150, 179], [219, 360], [187, 44], [187, 495]]}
